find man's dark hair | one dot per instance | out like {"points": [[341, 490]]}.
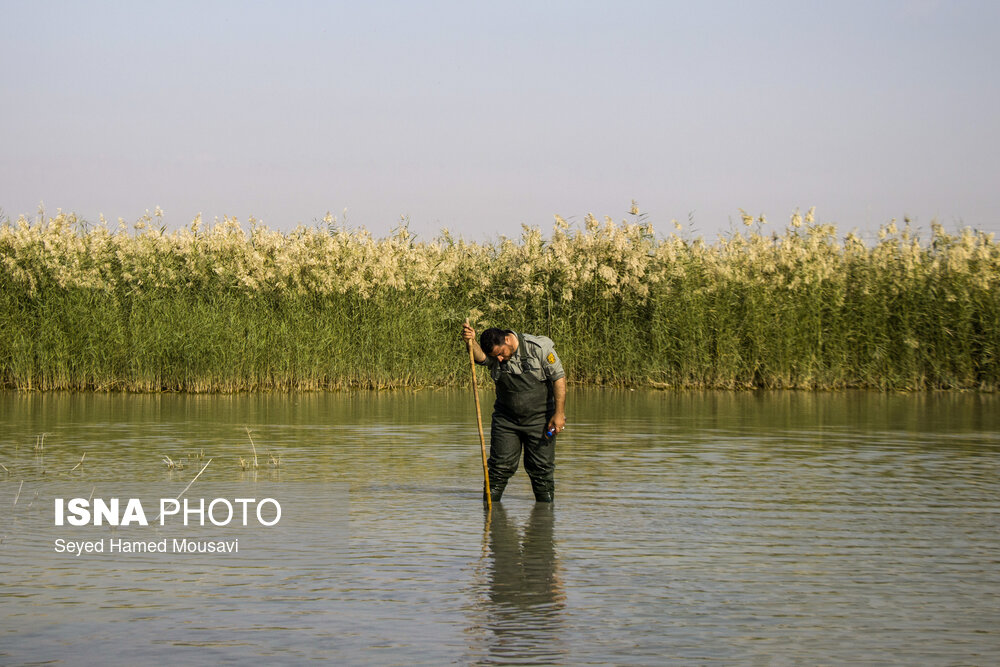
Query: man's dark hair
{"points": [[492, 337]]}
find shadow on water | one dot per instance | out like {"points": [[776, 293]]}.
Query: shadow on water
{"points": [[524, 591]]}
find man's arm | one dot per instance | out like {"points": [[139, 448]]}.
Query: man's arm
{"points": [[469, 334], [552, 367], [558, 421]]}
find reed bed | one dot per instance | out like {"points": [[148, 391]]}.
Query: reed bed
{"points": [[222, 308]]}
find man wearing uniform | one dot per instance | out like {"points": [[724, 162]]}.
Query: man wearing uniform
{"points": [[529, 410]]}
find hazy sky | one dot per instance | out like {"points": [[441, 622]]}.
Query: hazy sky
{"points": [[480, 116]]}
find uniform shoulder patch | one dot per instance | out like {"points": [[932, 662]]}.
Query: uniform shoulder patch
{"points": [[551, 358]]}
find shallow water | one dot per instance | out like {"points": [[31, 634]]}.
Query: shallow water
{"points": [[771, 528]]}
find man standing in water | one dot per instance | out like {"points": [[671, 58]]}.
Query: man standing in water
{"points": [[529, 410]]}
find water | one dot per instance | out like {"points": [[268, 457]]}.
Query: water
{"points": [[749, 528]]}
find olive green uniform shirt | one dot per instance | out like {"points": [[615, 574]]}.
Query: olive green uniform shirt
{"points": [[537, 356]]}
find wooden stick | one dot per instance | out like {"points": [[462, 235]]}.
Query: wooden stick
{"points": [[479, 422]]}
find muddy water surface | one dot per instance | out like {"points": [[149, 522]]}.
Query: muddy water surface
{"points": [[688, 528]]}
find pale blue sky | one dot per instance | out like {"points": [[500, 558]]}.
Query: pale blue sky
{"points": [[481, 116]]}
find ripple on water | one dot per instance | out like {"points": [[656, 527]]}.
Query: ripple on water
{"points": [[833, 528]]}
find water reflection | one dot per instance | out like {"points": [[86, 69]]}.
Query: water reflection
{"points": [[525, 591], [750, 528]]}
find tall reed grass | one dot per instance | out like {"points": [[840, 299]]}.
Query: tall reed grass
{"points": [[222, 308]]}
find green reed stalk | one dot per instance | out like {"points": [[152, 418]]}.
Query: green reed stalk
{"points": [[221, 309]]}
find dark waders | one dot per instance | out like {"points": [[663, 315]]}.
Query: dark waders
{"points": [[521, 413]]}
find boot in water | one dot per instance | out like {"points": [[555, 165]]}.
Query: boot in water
{"points": [[496, 491], [544, 490]]}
